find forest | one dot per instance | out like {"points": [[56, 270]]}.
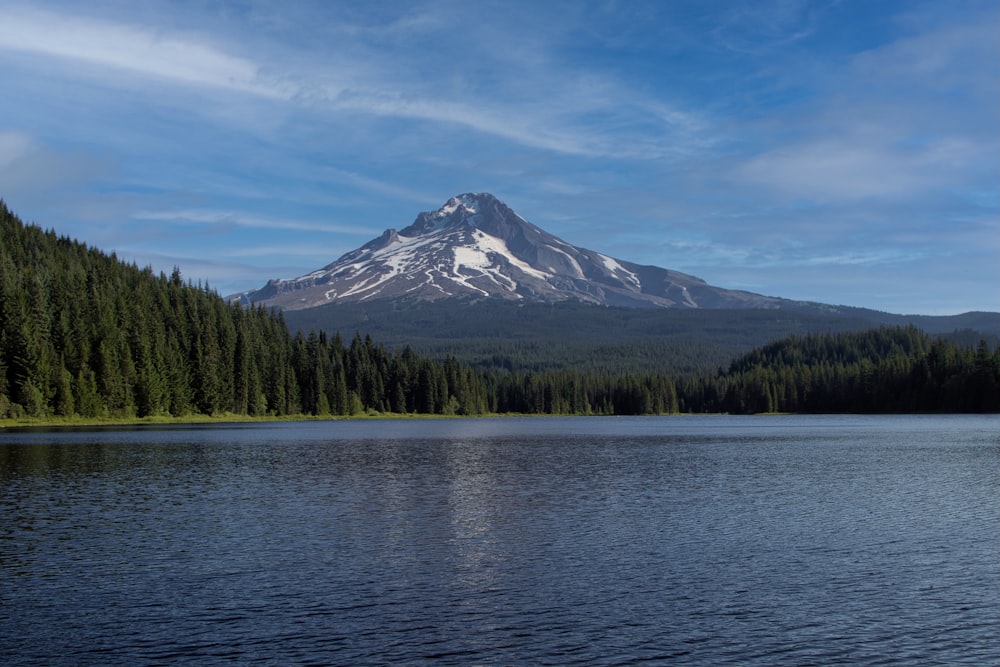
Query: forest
{"points": [[82, 333], [85, 334]]}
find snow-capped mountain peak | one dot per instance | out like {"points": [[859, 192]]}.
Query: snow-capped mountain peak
{"points": [[467, 203], [476, 247]]}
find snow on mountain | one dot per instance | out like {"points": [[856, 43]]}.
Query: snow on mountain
{"points": [[475, 247]]}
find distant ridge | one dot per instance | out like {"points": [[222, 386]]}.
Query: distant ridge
{"points": [[570, 334]]}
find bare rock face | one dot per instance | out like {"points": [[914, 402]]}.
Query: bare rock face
{"points": [[476, 247]]}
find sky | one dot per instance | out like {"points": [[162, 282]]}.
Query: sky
{"points": [[846, 152]]}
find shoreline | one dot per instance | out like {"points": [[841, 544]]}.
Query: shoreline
{"points": [[224, 418], [232, 418]]}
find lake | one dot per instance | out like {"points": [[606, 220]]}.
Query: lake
{"points": [[708, 540]]}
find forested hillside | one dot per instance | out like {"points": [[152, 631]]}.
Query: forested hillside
{"points": [[899, 369], [83, 334], [492, 334]]}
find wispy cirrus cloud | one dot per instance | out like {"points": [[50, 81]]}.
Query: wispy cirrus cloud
{"points": [[851, 168], [547, 111], [241, 219], [135, 49], [753, 27]]}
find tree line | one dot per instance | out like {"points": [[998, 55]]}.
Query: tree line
{"points": [[82, 333]]}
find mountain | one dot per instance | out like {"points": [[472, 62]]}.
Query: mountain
{"points": [[475, 281], [475, 247]]}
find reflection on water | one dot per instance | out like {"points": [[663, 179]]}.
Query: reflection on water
{"points": [[792, 540]]}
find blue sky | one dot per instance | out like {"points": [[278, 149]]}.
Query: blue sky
{"points": [[845, 152]]}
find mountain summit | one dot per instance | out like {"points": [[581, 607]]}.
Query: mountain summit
{"points": [[476, 247]]}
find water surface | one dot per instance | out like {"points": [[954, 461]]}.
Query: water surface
{"points": [[681, 540]]}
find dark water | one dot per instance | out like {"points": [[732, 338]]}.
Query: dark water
{"points": [[686, 540]]}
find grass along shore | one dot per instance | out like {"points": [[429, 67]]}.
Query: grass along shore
{"points": [[221, 418]]}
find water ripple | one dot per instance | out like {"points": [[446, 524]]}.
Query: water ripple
{"points": [[784, 541]]}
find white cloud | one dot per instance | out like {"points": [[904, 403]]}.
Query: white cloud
{"points": [[130, 48], [962, 53], [851, 169], [863, 257], [539, 105], [239, 219]]}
